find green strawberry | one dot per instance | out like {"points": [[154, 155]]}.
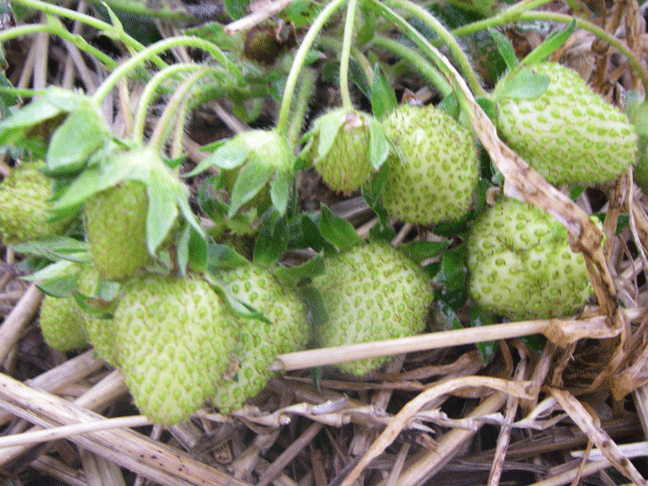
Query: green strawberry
{"points": [[259, 341], [24, 205], [568, 134], [521, 265], [173, 342], [371, 292], [115, 222], [341, 149], [62, 323], [438, 174]]}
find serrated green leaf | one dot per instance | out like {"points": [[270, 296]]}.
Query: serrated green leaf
{"points": [[383, 98], [293, 276], [251, 179], [419, 251], [524, 84], [272, 240], [162, 211], [80, 135], [379, 145], [337, 231], [505, 48], [549, 45], [280, 190]]}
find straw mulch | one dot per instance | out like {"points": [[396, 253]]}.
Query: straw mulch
{"points": [[575, 413]]}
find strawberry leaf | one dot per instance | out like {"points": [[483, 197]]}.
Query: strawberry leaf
{"points": [[505, 48], [293, 276], [272, 240]]}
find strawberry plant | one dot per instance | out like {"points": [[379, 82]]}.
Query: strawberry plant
{"points": [[214, 196]]}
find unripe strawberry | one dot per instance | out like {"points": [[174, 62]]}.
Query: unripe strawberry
{"points": [[259, 342], [115, 223], [62, 323], [436, 179], [371, 292], [340, 149], [173, 344], [568, 134], [521, 265], [25, 206]]}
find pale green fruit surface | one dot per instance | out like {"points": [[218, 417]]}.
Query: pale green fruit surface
{"points": [[24, 205], [259, 342], [345, 166], [371, 292], [115, 222], [62, 323], [173, 344], [521, 265], [438, 175], [568, 134]]}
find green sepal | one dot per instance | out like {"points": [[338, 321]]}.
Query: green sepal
{"points": [[549, 45], [54, 270], [56, 248], [328, 127], [62, 286], [222, 257], [419, 251], [162, 210], [228, 155], [371, 193], [192, 251], [251, 179], [239, 307], [383, 98], [80, 135], [293, 276], [312, 298], [280, 190], [272, 240], [95, 306], [505, 48], [13, 128], [379, 144], [337, 231], [523, 84]]}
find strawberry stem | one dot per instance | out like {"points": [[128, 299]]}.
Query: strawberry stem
{"points": [[301, 105], [300, 59], [160, 46], [447, 38], [422, 65], [346, 54], [171, 109]]}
